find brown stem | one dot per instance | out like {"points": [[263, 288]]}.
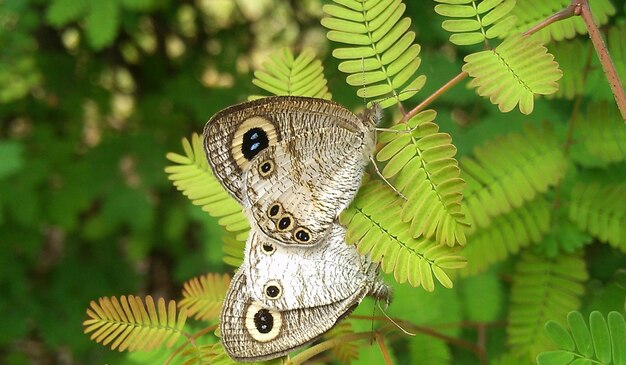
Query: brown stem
{"points": [[582, 8], [561, 15], [432, 97], [383, 348], [428, 331]]}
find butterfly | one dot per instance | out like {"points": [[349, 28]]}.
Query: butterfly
{"points": [[283, 297], [294, 163]]}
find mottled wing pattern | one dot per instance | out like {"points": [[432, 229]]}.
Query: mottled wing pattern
{"points": [[297, 188], [236, 135], [252, 332], [286, 278]]}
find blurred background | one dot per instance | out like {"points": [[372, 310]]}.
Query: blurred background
{"points": [[93, 94]]}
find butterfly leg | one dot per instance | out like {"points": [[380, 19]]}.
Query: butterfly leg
{"points": [[385, 179]]}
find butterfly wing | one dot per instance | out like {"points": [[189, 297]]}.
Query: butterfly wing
{"points": [[236, 135], [291, 277], [253, 332], [297, 188]]}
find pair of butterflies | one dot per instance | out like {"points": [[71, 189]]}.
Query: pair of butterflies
{"points": [[293, 163]]}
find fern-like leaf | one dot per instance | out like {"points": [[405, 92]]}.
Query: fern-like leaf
{"points": [[203, 296], [601, 131], [233, 248], [569, 55], [381, 58], [531, 12], [286, 75], [507, 235], [507, 172], [473, 24], [603, 342], [424, 170], [543, 289], [128, 324], [375, 226], [513, 73], [344, 352], [192, 175], [600, 211]]}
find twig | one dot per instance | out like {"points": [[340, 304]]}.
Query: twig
{"points": [[582, 9], [430, 332], [383, 348], [561, 15], [432, 97]]}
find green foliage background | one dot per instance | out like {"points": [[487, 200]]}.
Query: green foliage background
{"points": [[93, 94]]}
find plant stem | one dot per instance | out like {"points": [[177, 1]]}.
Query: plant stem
{"points": [[432, 97], [560, 15], [430, 332], [582, 9], [383, 348]]}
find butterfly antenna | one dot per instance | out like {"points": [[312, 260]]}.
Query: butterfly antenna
{"points": [[394, 322], [385, 179]]}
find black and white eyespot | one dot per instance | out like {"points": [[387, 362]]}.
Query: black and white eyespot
{"points": [[273, 289], [302, 235], [253, 142], [266, 168], [274, 210], [262, 324], [285, 222], [252, 137], [268, 248]]}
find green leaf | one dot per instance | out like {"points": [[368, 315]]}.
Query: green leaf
{"points": [[101, 24], [373, 225], [601, 337], [609, 342], [581, 334], [510, 76], [378, 35], [617, 328], [597, 209], [555, 357], [560, 336], [192, 175], [286, 75], [543, 289], [61, 12], [486, 21]]}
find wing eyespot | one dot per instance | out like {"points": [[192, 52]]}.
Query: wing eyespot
{"points": [[285, 223], [266, 168], [302, 235], [274, 210]]}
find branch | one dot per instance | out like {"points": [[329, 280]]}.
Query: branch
{"points": [[582, 9]]}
